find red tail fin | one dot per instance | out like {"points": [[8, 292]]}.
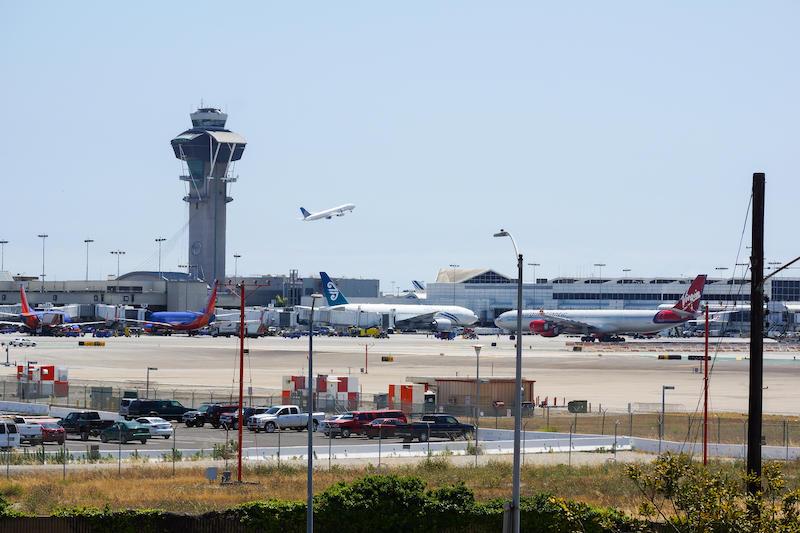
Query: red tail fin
{"points": [[26, 309], [690, 301], [212, 301]]}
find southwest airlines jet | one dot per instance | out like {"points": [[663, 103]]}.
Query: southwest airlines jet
{"points": [[435, 317], [604, 324], [328, 213], [43, 322], [188, 321]]}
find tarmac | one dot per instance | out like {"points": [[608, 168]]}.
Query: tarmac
{"points": [[611, 379]]}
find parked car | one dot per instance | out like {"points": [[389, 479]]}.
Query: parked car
{"points": [[354, 423], [230, 420], [9, 436], [168, 409], [84, 423], [124, 431], [52, 432], [29, 432], [207, 413], [157, 426], [22, 343], [381, 428], [280, 417], [439, 425]]}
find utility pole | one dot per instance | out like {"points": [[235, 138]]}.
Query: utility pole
{"points": [[705, 394], [754, 429]]}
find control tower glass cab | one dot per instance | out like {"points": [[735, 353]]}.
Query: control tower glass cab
{"points": [[209, 152]]}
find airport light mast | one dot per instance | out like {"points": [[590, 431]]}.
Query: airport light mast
{"points": [[43, 236], [209, 151], [87, 242], [3, 255]]}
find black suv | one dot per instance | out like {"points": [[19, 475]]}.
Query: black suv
{"points": [[208, 413], [166, 409]]}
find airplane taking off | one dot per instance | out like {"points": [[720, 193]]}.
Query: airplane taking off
{"points": [[188, 321], [327, 213], [608, 324], [43, 321], [435, 317]]}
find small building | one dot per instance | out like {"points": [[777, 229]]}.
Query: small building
{"points": [[457, 394]]}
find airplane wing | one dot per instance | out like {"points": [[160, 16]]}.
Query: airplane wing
{"points": [[73, 324], [164, 324], [9, 323], [565, 323], [10, 314]]}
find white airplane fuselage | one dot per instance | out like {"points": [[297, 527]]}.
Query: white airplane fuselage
{"points": [[605, 321], [330, 213], [459, 316]]}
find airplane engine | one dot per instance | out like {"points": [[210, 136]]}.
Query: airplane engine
{"points": [[442, 324], [544, 328]]}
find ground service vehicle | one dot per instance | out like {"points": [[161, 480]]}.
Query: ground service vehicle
{"points": [[354, 423], [440, 425], [28, 431], [381, 428], [157, 426], [125, 431], [207, 413], [84, 423], [167, 409], [283, 417]]}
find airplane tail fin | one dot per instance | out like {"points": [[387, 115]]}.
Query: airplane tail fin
{"points": [[306, 214], [690, 301], [212, 301], [418, 285], [332, 293], [23, 298]]}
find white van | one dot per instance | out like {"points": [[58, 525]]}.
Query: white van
{"points": [[9, 436]]}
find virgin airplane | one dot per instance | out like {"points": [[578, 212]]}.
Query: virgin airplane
{"points": [[607, 324]]}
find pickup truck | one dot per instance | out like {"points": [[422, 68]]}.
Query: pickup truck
{"points": [[29, 431], [283, 417], [445, 426], [84, 423]]}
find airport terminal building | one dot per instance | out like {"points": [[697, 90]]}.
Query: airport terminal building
{"points": [[489, 293]]}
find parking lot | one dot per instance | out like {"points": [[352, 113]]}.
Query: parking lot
{"points": [[206, 437]]}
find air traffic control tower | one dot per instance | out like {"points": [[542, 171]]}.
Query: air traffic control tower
{"points": [[209, 151]]}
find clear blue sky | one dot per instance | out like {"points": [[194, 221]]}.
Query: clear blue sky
{"points": [[616, 132]]}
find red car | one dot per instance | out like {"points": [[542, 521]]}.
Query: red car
{"points": [[382, 427], [355, 422], [52, 432]]}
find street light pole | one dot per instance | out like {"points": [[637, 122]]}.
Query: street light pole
{"points": [[534, 265], [453, 280], [518, 391], [310, 428], [118, 253], [43, 236], [600, 267], [664, 389], [147, 386], [87, 241], [236, 266], [3, 255], [477, 348], [159, 240]]}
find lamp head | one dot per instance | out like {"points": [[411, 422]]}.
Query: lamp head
{"points": [[501, 233]]}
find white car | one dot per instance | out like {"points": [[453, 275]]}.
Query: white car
{"points": [[23, 343], [158, 426]]}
